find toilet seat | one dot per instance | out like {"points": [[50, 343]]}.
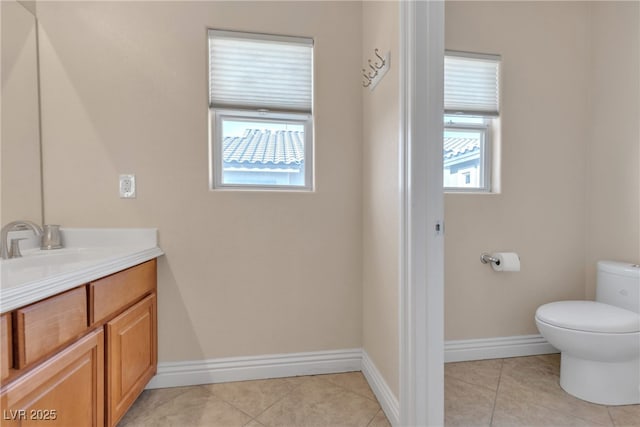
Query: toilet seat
{"points": [[589, 316]]}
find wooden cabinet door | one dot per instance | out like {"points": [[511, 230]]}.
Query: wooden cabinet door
{"points": [[66, 390], [131, 356], [6, 351]]}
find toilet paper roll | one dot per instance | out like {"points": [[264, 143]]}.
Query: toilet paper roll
{"points": [[507, 261]]}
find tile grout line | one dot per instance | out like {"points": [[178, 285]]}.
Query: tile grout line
{"points": [[495, 398], [475, 384], [374, 417], [613, 422], [574, 415], [250, 421], [278, 400], [319, 376], [556, 410], [350, 391], [158, 404], [324, 380], [580, 416], [212, 393]]}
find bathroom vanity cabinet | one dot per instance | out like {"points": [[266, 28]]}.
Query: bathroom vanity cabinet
{"points": [[82, 357]]}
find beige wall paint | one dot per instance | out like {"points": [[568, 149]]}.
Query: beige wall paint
{"points": [[381, 197], [19, 141], [254, 273], [245, 273], [570, 159], [613, 177], [540, 212]]}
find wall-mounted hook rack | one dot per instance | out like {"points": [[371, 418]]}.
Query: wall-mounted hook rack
{"points": [[378, 69]]}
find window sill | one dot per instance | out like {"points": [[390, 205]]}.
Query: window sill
{"points": [[261, 190], [472, 193]]}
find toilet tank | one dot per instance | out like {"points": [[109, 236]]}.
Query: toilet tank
{"points": [[619, 285]]}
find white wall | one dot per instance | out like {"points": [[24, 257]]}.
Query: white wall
{"points": [[245, 273]]}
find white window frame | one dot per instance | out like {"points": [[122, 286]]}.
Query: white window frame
{"points": [[486, 152], [220, 113], [490, 119], [216, 158]]}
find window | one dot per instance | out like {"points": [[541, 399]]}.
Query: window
{"points": [[260, 109], [467, 164], [471, 96]]}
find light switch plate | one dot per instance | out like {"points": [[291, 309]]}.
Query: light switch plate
{"points": [[127, 186]]}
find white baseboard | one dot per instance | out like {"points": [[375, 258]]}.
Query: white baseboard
{"points": [[176, 374], [496, 348], [385, 396]]}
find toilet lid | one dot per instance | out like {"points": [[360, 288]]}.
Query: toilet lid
{"points": [[589, 316]]}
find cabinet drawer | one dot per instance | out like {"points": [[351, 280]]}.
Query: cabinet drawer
{"points": [[6, 356], [44, 326], [113, 293]]}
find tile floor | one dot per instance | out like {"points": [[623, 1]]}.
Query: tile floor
{"points": [[521, 391], [320, 400]]}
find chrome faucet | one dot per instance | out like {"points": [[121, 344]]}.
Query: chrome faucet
{"points": [[13, 226]]}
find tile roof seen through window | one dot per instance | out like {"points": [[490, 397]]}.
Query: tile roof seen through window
{"points": [[257, 146], [454, 147], [284, 147]]}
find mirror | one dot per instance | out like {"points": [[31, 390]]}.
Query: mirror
{"points": [[20, 171]]}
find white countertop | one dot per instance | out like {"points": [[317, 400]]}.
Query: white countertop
{"points": [[88, 254]]}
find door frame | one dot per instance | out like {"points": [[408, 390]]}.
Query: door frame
{"points": [[422, 213]]}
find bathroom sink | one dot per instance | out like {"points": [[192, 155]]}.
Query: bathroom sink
{"points": [[37, 257], [36, 264], [88, 254], [29, 253]]}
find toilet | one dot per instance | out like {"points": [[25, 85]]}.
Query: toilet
{"points": [[599, 340]]}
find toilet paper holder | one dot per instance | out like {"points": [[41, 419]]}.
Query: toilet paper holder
{"points": [[485, 258]]}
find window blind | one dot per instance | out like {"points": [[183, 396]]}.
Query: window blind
{"points": [[251, 71], [471, 84]]}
